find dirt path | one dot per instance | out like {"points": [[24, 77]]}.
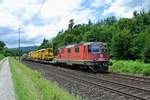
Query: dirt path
{"points": [[6, 83]]}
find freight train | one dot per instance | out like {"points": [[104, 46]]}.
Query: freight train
{"points": [[90, 55]]}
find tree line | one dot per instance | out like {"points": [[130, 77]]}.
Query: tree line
{"points": [[7, 51], [127, 38], [2, 46]]}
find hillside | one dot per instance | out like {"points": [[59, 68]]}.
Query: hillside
{"points": [[127, 39], [27, 48]]}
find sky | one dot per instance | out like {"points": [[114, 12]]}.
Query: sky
{"points": [[39, 19]]}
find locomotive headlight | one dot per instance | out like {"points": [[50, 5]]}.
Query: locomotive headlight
{"points": [[101, 55]]}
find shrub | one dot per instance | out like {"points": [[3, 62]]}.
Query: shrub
{"points": [[131, 67]]}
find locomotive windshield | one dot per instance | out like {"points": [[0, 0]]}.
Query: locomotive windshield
{"points": [[97, 49], [94, 48]]}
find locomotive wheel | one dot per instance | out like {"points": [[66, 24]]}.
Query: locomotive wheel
{"points": [[93, 69], [98, 69], [102, 69]]}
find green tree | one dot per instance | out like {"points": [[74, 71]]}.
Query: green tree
{"points": [[69, 39], [2, 46], [45, 44], [125, 37], [71, 24], [146, 49], [120, 45]]}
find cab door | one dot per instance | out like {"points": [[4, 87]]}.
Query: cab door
{"points": [[59, 54], [85, 52]]}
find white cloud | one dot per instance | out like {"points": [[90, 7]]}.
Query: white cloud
{"points": [[33, 32], [6, 19], [125, 8], [15, 10], [44, 18], [54, 15], [51, 30], [99, 3], [54, 8], [65, 10], [60, 12]]}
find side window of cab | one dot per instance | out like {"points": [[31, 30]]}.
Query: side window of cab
{"points": [[77, 50], [89, 48], [68, 50]]}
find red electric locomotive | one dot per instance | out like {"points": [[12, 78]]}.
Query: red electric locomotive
{"points": [[91, 55]]}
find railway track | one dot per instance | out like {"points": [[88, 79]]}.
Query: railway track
{"points": [[122, 90], [136, 78], [134, 81], [125, 89], [90, 80]]}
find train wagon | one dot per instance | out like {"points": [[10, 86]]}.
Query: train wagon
{"points": [[30, 56], [41, 55], [91, 55], [46, 54]]}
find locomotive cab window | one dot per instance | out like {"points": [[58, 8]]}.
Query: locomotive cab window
{"points": [[77, 49], [68, 50], [94, 48], [89, 48]]}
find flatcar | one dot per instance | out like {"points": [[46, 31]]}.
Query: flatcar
{"points": [[46, 54], [41, 55], [30, 55], [92, 55]]}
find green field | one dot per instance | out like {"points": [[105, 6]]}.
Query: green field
{"points": [[130, 67], [31, 85]]}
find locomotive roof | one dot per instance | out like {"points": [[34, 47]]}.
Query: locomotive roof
{"points": [[86, 43]]}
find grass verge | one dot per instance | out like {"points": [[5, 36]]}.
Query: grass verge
{"points": [[31, 85], [130, 67]]}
